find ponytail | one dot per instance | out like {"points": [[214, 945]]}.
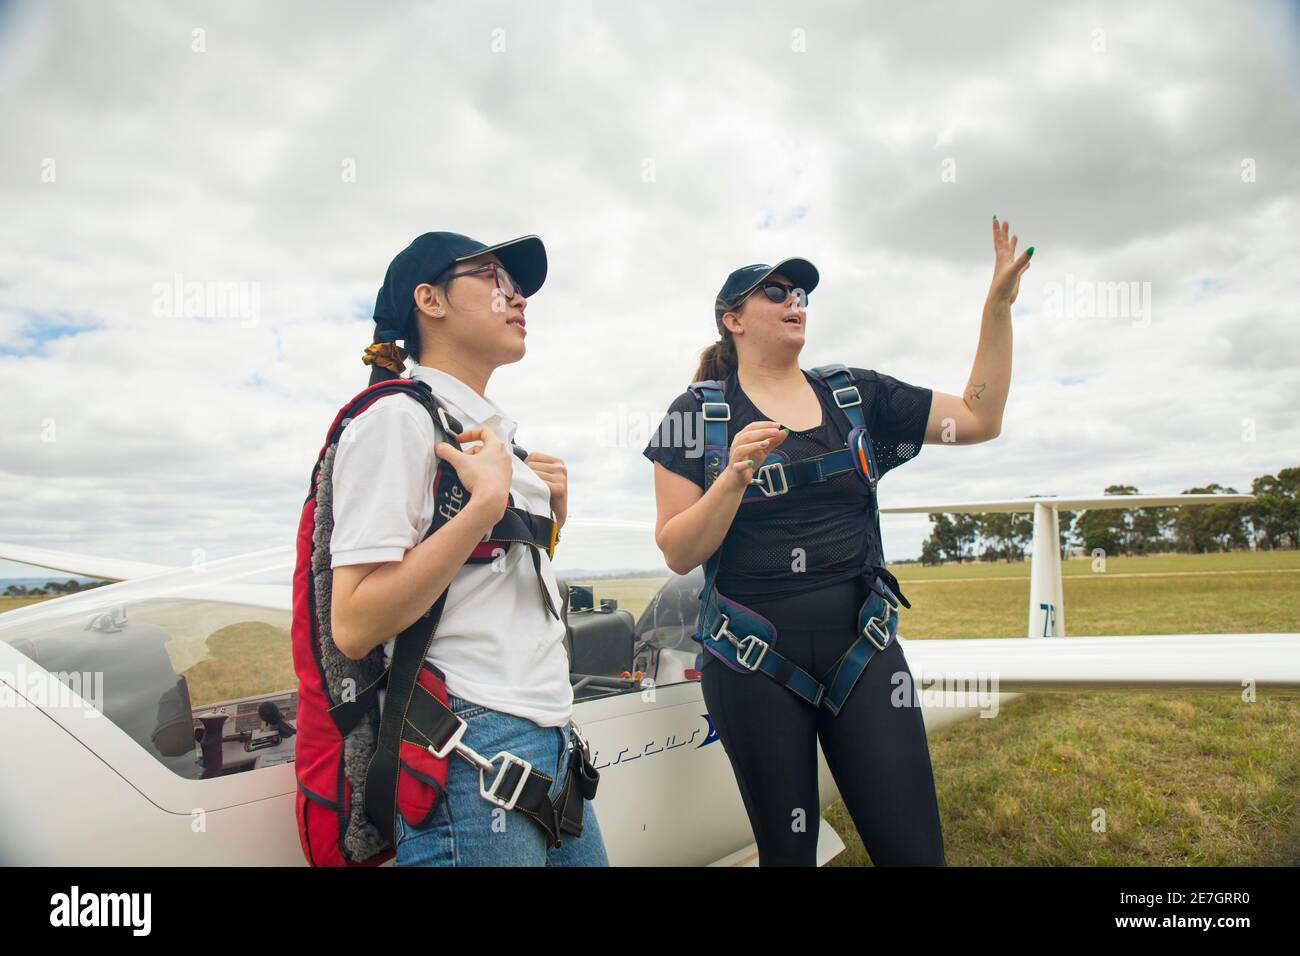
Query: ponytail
{"points": [[718, 360], [386, 358]]}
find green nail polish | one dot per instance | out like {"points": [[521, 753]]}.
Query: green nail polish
{"points": [[995, 218], [750, 463], [1029, 251], [785, 429]]}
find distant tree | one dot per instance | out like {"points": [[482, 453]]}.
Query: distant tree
{"points": [[943, 536], [930, 553], [1065, 528], [1022, 535], [1106, 528], [966, 529], [1275, 514], [1204, 528], [1001, 530]]}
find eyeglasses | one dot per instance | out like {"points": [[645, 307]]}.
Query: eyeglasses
{"points": [[780, 291], [504, 282]]}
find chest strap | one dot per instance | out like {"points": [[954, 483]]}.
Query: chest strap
{"points": [[777, 477]]}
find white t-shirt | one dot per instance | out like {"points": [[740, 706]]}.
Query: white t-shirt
{"points": [[496, 643]]}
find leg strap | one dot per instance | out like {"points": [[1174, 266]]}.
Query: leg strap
{"points": [[747, 643]]}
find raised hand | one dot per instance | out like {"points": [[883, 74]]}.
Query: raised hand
{"points": [[1007, 269]]}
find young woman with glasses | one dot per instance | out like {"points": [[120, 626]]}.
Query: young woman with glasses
{"points": [[459, 307]]}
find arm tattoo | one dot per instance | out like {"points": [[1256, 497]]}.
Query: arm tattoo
{"points": [[976, 389]]}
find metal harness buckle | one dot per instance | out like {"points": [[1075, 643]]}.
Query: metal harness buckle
{"points": [[452, 742], [582, 741], [873, 628], [448, 423], [744, 645], [489, 793], [724, 417], [763, 479]]}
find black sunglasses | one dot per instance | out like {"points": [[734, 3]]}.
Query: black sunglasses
{"points": [[780, 291]]}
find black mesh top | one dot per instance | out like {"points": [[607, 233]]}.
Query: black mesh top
{"points": [[815, 535]]}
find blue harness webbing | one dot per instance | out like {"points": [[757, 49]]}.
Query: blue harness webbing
{"points": [[740, 637]]}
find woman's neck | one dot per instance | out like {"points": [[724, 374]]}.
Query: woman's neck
{"points": [[472, 374], [764, 376]]}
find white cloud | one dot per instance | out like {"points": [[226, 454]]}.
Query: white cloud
{"points": [[225, 166]]}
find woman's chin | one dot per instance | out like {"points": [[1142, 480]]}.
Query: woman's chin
{"points": [[513, 350]]}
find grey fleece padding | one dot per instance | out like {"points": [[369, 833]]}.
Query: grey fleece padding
{"points": [[361, 839]]}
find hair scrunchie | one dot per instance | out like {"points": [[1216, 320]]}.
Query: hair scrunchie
{"points": [[389, 355]]}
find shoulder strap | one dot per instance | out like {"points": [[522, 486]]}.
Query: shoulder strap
{"points": [[716, 413], [841, 383]]}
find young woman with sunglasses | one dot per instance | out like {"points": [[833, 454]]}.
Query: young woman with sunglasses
{"points": [[459, 306], [798, 559]]}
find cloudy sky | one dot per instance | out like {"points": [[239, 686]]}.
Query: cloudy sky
{"points": [[289, 150]]}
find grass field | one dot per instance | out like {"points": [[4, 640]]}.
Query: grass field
{"points": [[1197, 779], [1194, 779]]}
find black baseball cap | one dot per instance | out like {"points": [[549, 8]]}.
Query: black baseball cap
{"points": [[432, 254], [745, 279]]}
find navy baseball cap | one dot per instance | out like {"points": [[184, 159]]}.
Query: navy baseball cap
{"points": [[745, 279], [432, 254]]}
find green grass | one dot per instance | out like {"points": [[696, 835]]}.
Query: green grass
{"points": [[1187, 780]]}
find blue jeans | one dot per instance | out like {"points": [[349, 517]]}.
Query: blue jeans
{"points": [[466, 830]]}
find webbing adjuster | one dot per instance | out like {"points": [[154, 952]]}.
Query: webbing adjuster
{"points": [[766, 484], [489, 793], [847, 389], [745, 648], [449, 424], [873, 628], [723, 416]]}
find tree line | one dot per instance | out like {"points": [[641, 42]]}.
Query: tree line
{"points": [[51, 588], [1270, 522]]}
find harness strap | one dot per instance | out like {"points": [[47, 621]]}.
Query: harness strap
{"points": [[845, 393], [516, 785], [877, 623], [539, 533], [777, 477], [522, 526], [716, 412], [877, 628]]}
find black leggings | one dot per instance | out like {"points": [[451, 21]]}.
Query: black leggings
{"points": [[876, 751]]}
